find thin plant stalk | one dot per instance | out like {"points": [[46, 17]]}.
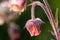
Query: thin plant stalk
{"points": [[32, 12], [33, 6], [52, 20]]}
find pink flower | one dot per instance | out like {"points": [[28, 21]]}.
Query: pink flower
{"points": [[14, 31], [34, 26], [17, 5]]}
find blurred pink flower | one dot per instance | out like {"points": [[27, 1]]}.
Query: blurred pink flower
{"points": [[14, 31], [17, 5]]}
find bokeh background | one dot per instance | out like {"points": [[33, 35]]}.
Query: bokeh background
{"points": [[26, 15]]}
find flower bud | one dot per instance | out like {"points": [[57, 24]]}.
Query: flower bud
{"points": [[13, 31], [34, 26], [17, 5]]}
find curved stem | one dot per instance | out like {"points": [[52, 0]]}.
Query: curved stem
{"points": [[49, 14], [32, 12], [39, 4]]}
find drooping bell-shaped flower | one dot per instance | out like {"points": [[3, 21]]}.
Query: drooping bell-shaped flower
{"points": [[14, 31], [34, 26], [17, 5]]}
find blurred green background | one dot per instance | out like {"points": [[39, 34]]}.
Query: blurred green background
{"points": [[26, 15]]}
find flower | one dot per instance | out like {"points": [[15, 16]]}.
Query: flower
{"points": [[13, 31], [34, 26], [17, 5]]}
